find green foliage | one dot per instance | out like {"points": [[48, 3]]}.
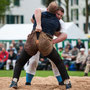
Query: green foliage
{"points": [[4, 73], [46, 2], [4, 5]]}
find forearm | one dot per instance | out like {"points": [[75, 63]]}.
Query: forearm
{"points": [[32, 20], [38, 17], [60, 38]]}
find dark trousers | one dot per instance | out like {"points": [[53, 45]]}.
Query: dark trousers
{"points": [[2, 65], [78, 65], [54, 56]]}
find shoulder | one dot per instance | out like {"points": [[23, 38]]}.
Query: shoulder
{"points": [[61, 21]]}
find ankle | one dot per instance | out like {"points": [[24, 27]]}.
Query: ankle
{"points": [[15, 79], [66, 81]]}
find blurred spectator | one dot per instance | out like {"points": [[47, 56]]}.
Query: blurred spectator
{"points": [[20, 50], [60, 51], [81, 57], [74, 53], [13, 43], [11, 60], [66, 57], [3, 58], [1, 45], [20, 43], [18, 54], [87, 64], [69, 46], [43, 64], [12, 48], [80, 44]]}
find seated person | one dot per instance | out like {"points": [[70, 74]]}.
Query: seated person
{"points": [[1, 45], [19, 50], [69, 46], [81, 57], [74, 52], [3, 58], [87, 61], [43, 63], [12, 48], [11, 60], [60, 51], [80, 44], [67, 57]]}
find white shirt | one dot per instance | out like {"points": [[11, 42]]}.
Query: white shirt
{"points": [[62, 26]]}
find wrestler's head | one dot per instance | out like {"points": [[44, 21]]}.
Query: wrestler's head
{"points": [[60, 13], [52, 7]]}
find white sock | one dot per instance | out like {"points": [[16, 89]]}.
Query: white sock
{"points": [[66, 81], [15, 79]]}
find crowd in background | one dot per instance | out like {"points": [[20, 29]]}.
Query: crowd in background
{"points": [[74, 57]]}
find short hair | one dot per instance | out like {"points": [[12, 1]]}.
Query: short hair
{"points": [[61, 48], [75, 46], [53, 7], [61, 9]]}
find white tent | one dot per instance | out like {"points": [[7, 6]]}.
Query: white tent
{"points": [[15, 31], [74, 32], [20, 32]]}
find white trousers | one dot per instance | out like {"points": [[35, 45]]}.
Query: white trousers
{"points": [[87, 68], [8, 63], [33, 63]]}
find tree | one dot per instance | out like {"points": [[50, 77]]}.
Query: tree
{"points": [[46, 2], [4, 5], [59, 2], [67, 9], [87, 16]]}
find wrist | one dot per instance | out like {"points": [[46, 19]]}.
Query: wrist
{"points": [[54, 42]]}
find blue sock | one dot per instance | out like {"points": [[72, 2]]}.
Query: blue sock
{"points": [[59, 78], [29, 77]]}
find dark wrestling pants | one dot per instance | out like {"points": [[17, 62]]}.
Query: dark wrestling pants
{"points": [[54, 56]]}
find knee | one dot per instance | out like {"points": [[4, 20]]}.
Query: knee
{"points": [[34, 63], [8, 61]]}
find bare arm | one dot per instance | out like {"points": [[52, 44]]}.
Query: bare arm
{"points": [[60, 37], [38, 19], [32, 20]]}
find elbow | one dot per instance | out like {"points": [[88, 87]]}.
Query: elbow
{"points": [[65, 36]]}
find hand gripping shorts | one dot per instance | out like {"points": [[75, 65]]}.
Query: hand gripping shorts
{"points": [[42, 43]]}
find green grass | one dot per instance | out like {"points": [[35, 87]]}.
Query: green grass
{"points": [[4, 73]]}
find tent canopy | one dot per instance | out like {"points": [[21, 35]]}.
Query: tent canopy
{"points": [[15, 31], [21, 31], [74, 32]]}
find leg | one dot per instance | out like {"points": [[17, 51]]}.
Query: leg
{"points": [[87, 69], [2, 65], [31, 68], [14, 62], [54, 56], [24, 57], [8, 64], [33, 62], [56, 73], [78, 66]]}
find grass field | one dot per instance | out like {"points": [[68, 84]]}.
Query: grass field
{"points": [[4, 73]]}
